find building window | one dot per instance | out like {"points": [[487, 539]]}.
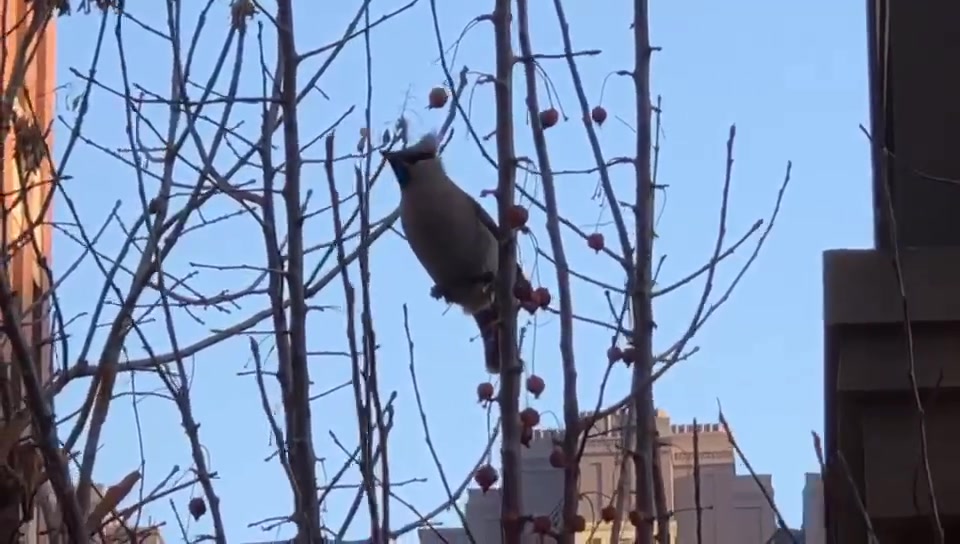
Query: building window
{"points": [[598, 485]]}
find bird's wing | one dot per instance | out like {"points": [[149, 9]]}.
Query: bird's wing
{"points": [[485, 219]]}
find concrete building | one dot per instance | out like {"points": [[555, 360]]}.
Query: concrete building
{"points": [[814, 525], [734, 509], [876, 369]]}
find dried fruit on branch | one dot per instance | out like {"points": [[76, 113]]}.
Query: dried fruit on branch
{"points": [[437, 97], [485, 392], [530, 417], [535, 385], [485, 477], [595, 241], [542, 296], [197, 507], [549, 117], [522, 289], [599, 115], [517, 217], [526, 435]]}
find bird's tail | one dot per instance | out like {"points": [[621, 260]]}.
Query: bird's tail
{"points": [[488, 322]]}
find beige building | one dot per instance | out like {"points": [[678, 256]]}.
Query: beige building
{"points": [[734, 509], [814, 524]]}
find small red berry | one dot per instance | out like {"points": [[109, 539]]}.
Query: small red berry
{"points": [[614, 354], [558, 459], [629, 356], [599, 115], [542, 297], [549, 117], [608, 513], [526, 435], [485, 392], [197, 507], [636, 518], [542, 525], [517, 216], [530, 305], [522, 289], [530, 417], [485, 477], [595, 241], [535, 385], [438, 97], [577, 524]]}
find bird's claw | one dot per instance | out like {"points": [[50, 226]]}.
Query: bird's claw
{"points": [[437, 292], [484, 278]]}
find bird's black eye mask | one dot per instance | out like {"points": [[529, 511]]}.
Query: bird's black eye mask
{"points": [[409, 158], [401, 161]]}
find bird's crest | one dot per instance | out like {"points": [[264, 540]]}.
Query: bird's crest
{"points": [[427, 146]]}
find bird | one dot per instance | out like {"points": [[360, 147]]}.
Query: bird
{"points": [[452, 236]]}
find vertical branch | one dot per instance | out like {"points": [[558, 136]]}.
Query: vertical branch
{"points": [[623, 477], [511, 507], [659, 493], [642, 281], [697, 501], [571, 406], [364, 425], [372, 388], [297, 375]]}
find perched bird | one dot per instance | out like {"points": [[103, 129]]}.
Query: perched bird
{"points": [[453, 237]]}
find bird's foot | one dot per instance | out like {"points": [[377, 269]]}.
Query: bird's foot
{"points": [[438, 292], [484, 278]]}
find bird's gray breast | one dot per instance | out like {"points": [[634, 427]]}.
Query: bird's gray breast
{"points": [[445, 233]]}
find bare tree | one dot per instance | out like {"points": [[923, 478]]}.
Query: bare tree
{"points": [[198, 168], [630, 297], [226, 148]]}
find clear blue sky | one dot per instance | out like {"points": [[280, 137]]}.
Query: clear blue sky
{"points": [[792, 76]]}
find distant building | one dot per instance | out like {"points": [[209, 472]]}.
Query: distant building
{"points": [[814, 526], [788, 536], [734, 509]]}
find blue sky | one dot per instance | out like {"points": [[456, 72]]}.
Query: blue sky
{"points": [[792, 76]]}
